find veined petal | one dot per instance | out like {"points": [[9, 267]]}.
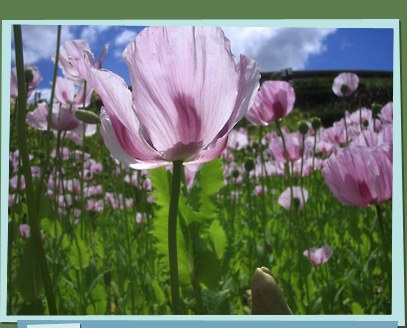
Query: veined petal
{"points": [[118, 103], [64, 90], [185, 84], [115, 148]]}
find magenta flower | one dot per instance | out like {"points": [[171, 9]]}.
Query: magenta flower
{"points": [[24, 230], [187, 94], [319, 256], [76, 49], [274, 101], [285, 198], [345, 84], [360, 176]]}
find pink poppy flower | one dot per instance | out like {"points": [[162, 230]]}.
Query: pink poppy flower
{"points": [[75, 49], [293, 143], [25, 230], [274, 101], [67, 94], [319, 256], [345, 84], [187, 94], [386, 113], [238, 139], [285, 198], [258, 190], [140, 217], [31, 86], [360, 176]]}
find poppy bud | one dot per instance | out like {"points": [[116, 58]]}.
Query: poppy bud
{"points": [[249, 165], [344, 88], [235, 173], [365, 123], [267, 297], [303, 127], [87, 116], [29, 76], [316, 123]]}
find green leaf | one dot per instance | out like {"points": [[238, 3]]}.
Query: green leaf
{"points": [[29, 279], [79, 256], [357, 309], [217, 302], [208, 180], [218, 238], [158, 292], [99, 302]]}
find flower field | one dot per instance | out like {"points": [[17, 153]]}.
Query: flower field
{"points": [[169, 197]]}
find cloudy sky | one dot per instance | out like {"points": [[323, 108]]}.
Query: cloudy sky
{"points": [[274, 48]]}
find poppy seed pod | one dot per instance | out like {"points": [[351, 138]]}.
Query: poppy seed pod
{"points": [[267, 297]]}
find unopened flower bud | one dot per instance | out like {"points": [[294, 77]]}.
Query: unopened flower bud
{"points": [[87, 116], [267, 297], [376, 108], [344, 89], [296, 202], [365, 123], [29, 76], [235, 173], [249, 165], [316, 123], [303, 127]]}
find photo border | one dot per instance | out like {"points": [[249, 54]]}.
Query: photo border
{"points": [[398, 301]]}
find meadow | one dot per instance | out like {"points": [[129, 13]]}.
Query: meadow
{"points": [[89, 233]]}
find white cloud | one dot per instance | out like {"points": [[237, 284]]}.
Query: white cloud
{"points": [[91, 33], [45, 95], [39, 42], [125, 37], [276, 48]]}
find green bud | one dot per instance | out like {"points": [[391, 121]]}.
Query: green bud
{"points": [[29, 76], [255, 145], [249, 165], [365, 123], [296, 202], [87, 116], [303, 127], [235, 173], [344, 89], [316, 123], [376, 108], [267, 297]]}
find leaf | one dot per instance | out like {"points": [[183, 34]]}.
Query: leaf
{"points": [[208, 181], [217, 302], [218, 238], [357, 309], [29, 279], [158, 292], [99, 302], [79, 256]]}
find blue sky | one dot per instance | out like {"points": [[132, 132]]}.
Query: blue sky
{"points": [[273, 48]]}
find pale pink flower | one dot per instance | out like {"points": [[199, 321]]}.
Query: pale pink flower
{"points": [[140, 217], [238, 139], [274, 101], [319, 256], [187, 94], [349, 80], [293, 143], [67, 94], [75, 49], [285, 198], [258, 190], [360, 176], [386, 113], [25, 230], [31, 86]]}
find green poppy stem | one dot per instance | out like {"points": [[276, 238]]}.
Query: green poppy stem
{"points": [[172, 236], [22, 138]]}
